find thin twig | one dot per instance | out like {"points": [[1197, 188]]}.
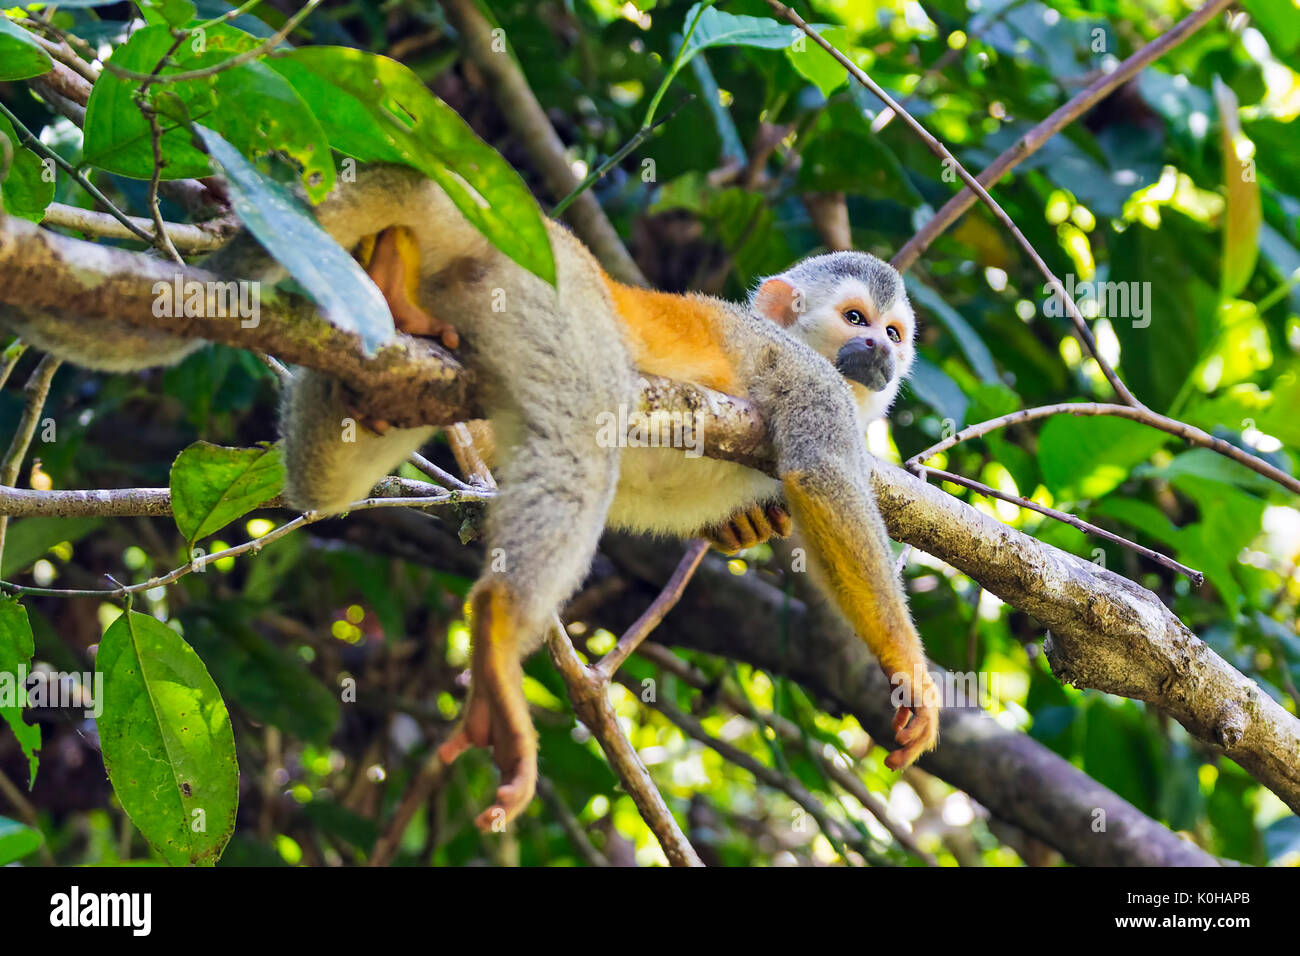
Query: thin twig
{"points": [[430, 777], [1189, 433], [791, 732], [658, 609], [1034, 140], [1081, 327], [569, 824], [253, 547], [1197, 577], [837, 833], [185, 236]]}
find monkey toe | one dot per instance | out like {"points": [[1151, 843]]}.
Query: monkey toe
{"points": [[780, 520]]}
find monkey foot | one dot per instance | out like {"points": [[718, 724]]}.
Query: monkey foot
{"points": [[392, 260], [489, 723], [747, 528], [916, 721], [496, 714]]}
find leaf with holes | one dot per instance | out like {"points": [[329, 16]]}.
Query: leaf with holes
{"points": [[167, 741]]}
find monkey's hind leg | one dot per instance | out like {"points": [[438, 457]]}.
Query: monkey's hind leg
{"points": [[392, 260]]}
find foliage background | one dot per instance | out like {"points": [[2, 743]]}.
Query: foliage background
{"points": [[1134, 192]]}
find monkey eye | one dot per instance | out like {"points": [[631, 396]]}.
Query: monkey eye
{"points": [[894, 334], [854, 317]]}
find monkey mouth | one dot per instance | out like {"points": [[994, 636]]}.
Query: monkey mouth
{"points": [[869, 365]]}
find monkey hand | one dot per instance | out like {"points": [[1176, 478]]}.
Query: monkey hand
{"points": [[747, 528], [916, 719], [392, 260]]}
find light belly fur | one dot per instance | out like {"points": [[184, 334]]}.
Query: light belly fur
{"points": [[661, 491]]}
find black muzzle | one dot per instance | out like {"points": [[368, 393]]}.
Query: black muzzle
{"points": [[866, 362]]}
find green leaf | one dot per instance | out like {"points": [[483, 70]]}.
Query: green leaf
{"points": [[816, 65], [286, 229], [1087, 457], [118, 137], [251, 105], [167, 741], [27, 190], [17, 840], [20, 55], [211, 486], [1243, 215], [175, 13], [716, 28], [1278, 20], [16, 650], [401, 120]]}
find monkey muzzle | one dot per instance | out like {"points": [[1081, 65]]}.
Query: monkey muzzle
{"points": [[866, 361]]}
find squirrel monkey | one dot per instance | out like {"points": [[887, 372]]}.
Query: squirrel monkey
{"points": [[553, 363], [821, 349]]}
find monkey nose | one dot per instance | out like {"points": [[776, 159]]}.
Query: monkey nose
{"points": [[868, 341]]}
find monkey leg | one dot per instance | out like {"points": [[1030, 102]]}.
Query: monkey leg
{"points": [[496, 715], [392, 260], [748, 528]]}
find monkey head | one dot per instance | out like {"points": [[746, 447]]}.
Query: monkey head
{"points": [[852, 308]]}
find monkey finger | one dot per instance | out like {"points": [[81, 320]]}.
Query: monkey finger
{"points": [[454, 746], [901, 717]]}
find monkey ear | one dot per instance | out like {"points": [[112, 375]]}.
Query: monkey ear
{"points": [[778, 300]]}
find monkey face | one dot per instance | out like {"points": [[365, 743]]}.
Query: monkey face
{"points": [[853, 309]]}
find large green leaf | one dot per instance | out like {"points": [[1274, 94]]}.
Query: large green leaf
{"points": [[118, 137], [16, 649], [1278, 20], [28, 189], [403, 120], [17, 840], [167, 741], [286, 229], [251, 105], [20, 55], [211, 486], [1086, 457]]}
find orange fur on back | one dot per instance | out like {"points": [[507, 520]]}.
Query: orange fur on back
{"points": [[673, 336]]}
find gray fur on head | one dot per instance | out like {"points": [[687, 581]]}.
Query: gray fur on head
{"points": [[818, 277]]}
